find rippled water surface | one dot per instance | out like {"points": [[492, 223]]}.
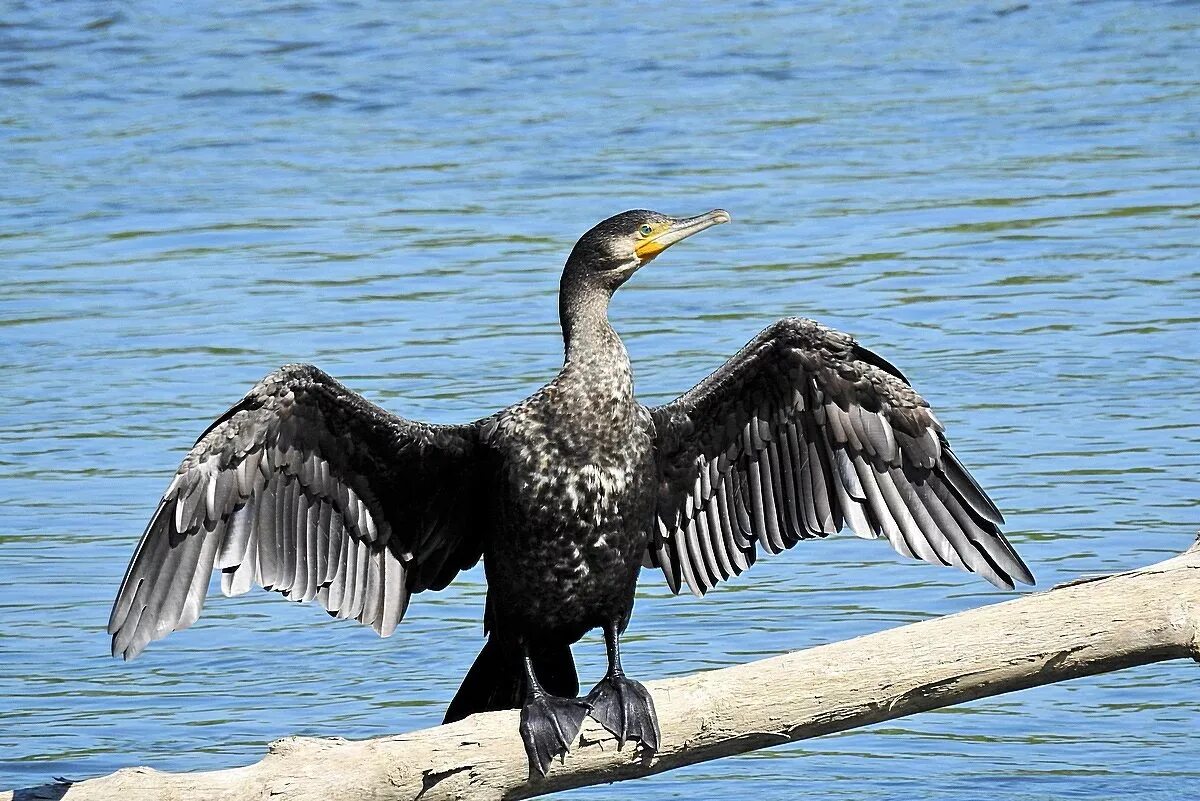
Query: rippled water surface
{"points": [[1002, 198]]}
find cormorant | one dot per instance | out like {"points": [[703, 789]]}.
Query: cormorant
{"points": [[306, 488]]}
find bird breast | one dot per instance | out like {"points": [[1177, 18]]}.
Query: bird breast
{"points": [[574, 459], [594, 493]]}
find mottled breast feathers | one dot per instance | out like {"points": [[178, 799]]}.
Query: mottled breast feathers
{"points": [[802, 432], [306, 488]]}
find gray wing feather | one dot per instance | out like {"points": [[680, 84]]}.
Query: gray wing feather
{"points": [[307, 489], [800, 433]]}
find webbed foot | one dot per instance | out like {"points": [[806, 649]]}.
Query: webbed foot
{"points": [[549, 725], [625, 708]]}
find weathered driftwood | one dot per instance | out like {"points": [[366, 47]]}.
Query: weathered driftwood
{"points": [[1087, 627]]}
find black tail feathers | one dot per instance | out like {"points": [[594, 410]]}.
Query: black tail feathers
{"points": [[497, 679]]}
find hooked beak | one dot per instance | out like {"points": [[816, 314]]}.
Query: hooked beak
{"points": [[679, 229]]}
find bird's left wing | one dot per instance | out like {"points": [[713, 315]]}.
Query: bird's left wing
{"points": [[306, 488], [799, 433]]}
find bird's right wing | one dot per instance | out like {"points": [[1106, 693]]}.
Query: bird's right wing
{"points": [[306, 488]]}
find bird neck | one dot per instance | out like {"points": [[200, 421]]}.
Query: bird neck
{"points": [[589, 341]]}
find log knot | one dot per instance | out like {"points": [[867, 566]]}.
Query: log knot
{"points": [[292, 745]]}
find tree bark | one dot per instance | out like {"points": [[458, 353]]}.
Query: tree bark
{"points": [[1082, 628]]}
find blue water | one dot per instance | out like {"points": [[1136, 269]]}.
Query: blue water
{"points": [[1003, 198]]}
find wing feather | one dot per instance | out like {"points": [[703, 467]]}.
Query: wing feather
{"points": [[704, 535], [194, 602], [345, 609]]}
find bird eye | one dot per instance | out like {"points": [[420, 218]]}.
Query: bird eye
{"points": [[645, 229]]}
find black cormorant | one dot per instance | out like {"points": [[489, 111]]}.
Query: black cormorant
{"points": [[306, 488]]}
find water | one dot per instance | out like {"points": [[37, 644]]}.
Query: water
{"points": [[1002, 198]]}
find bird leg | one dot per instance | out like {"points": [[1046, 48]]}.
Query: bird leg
{"points": [[620, 704], [549, 723]]}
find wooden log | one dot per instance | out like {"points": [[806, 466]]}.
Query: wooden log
{"points": [[1083, 628]]}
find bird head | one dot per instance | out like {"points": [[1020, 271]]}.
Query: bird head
{"points": [[615, 249]]}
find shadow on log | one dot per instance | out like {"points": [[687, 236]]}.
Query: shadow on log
{"points": [[1079, 629]]}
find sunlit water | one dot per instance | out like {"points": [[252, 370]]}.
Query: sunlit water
{"points": [[1000, 197]]}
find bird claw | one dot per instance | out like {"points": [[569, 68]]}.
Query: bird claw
{"points": [[549, 724], [625, 708]]}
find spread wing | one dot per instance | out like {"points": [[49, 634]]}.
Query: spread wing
{"points": [[306, 488], [800, 433]]}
